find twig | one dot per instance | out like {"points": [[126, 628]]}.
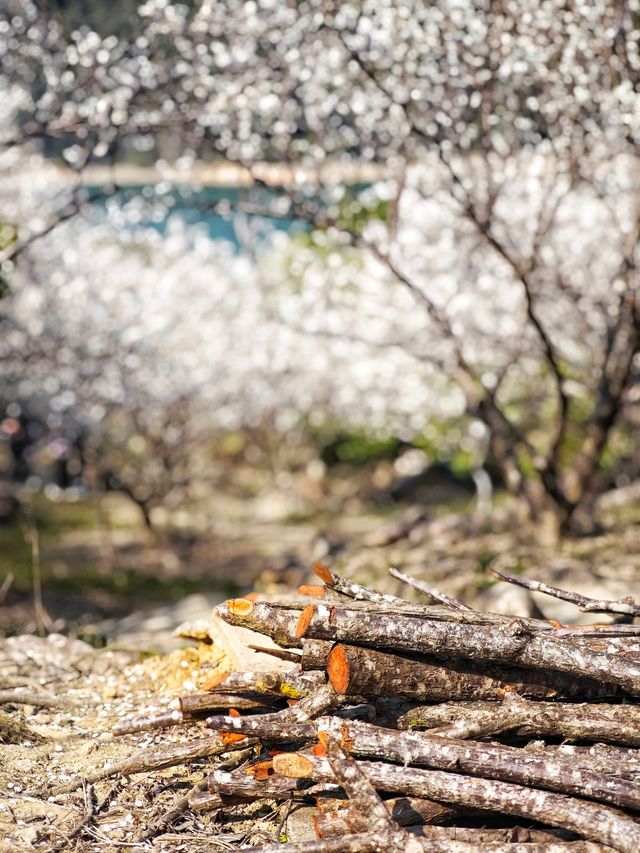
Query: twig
{"points": [[156, 760], [512, 644], [185, 709], [562, 774], [34, 697], [353, 590], [615, 724], [441, 597], [590, 820], [178, 808], [244, 784], [319, 702], [626, 606], [285, 685], [282, 654], [92, 810], [598, 632]]}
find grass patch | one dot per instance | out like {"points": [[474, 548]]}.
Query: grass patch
{"points": [[130, 584], [125, 586], [52, 517]]}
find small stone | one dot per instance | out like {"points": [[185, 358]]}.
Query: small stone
{"points": [[300, 826]]}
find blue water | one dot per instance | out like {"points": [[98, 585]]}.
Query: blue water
{"points": [[150, 206]]}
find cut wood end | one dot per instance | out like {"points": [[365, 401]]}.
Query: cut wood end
{"points": [[304, 620], [228, 738], [293, 765], [338, 669], [215, 681], [260, 771], [239, 606], [313, 590], [323, 572]]}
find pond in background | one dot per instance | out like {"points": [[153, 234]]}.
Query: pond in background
{"points": [[216, 210]]}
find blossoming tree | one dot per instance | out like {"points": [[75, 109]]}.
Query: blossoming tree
{"points": [[488, 270]]}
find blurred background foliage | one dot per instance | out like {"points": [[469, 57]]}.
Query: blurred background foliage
{"points": [[218, 359]]}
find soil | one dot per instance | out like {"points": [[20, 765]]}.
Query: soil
{"points": [[59, 729], [61, 696]]}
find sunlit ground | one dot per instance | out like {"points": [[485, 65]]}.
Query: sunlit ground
{"points": [[93, 561]]}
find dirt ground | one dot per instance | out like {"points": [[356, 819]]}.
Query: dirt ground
{"points": [[61, 696], [59, 729]]}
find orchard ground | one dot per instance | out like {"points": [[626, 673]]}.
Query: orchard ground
{"points": [[106, 580], [103, 576]]}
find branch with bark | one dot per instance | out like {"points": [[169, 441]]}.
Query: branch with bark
{"points": [[391, 699]]}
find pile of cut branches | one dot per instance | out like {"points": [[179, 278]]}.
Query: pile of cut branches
{"points": [[416, 727]]}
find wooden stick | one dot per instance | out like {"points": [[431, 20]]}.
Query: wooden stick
{"points": [[435, 594], [157, 759], [513, 644], [276, 620], [590, 820], [365, 842], [239, 783], [316, 703], [198, 703], [40, 698], [615, 724], [365, 799], [542, 769], [620, 758], [367, 672], [279, 623], [293, 684], [354, 590], [625, 606], [282, 654], [346, 821], [362, 842], [188, 707], [615, 631], [285, 624]]}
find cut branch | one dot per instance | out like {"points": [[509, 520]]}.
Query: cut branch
{"points": [[625, 606], [616, 724], [513, 644], [435, 594], [558, 773], [361, 671], [157, 760], [590, 820]]}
